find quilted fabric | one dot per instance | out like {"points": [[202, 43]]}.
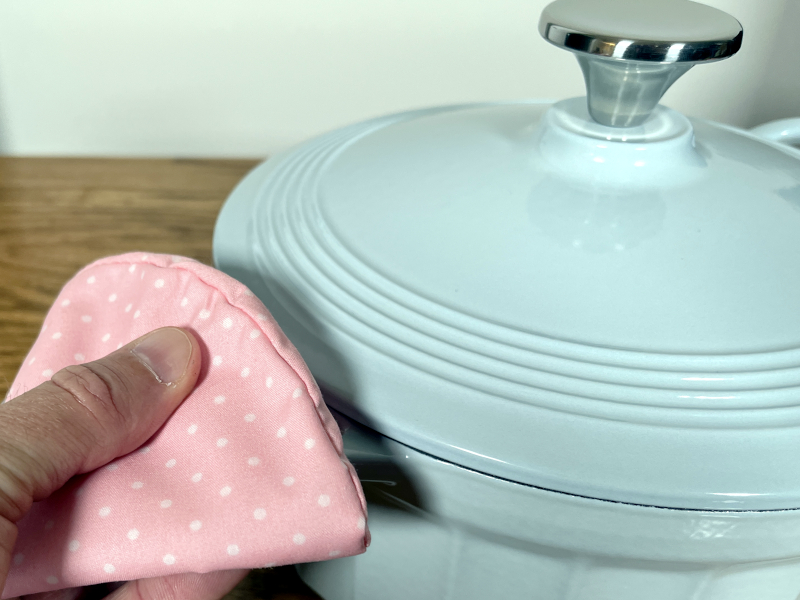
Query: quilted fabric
{"points": [[248, 472]]}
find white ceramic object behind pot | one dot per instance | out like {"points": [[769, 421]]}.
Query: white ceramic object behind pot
{"points": [[576, 335], [784, 131]]}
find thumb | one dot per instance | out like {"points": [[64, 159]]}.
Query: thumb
{"points": [[87, 415]]}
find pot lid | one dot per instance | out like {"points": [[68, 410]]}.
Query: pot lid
{"points": [[540, 294]]}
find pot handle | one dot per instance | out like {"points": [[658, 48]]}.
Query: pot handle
{"points": [[785, 131]]}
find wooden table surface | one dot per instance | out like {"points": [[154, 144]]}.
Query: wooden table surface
{"points": [[57, 215]]}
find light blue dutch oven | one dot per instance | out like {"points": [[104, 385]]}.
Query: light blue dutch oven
{"points": [[563, 339]]}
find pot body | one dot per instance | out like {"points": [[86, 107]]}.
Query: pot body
{"points": [[443, 532]]}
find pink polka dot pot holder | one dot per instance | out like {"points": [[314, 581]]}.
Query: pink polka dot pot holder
{"points": [[248, 472]]}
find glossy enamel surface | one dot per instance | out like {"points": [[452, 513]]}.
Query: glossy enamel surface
{"points": [[466, 536], [607, 314]]}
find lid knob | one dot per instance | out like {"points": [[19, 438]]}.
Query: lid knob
{"points": [[631, 51]]}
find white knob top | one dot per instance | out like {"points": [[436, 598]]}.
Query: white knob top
{"points": [[711, 33]]}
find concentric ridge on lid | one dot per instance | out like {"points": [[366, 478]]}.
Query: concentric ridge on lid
{"points": [[361, 302]]}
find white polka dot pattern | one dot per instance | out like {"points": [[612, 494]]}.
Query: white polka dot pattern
{"points": [[246, 472]]}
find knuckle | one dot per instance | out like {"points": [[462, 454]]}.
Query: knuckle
{"points": [[171, 590], [93, 394], [15, 496], [161, 588], [137, 591]]}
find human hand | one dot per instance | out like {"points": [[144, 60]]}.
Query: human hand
{"points": [[85, 417]]}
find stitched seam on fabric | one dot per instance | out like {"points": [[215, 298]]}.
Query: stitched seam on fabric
{"points": [[113, 260]]}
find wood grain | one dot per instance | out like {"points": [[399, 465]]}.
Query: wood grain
{"points": [[57, 215]]}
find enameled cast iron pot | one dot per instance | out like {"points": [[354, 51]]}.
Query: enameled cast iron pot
{"points": [[564, 339]]}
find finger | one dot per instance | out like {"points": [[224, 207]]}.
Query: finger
{"points": [[65, 594], [87, 415], [91, 592], [187, 586]]}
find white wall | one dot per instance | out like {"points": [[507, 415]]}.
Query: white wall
{"points": [[779, 95], [250, 77]]}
